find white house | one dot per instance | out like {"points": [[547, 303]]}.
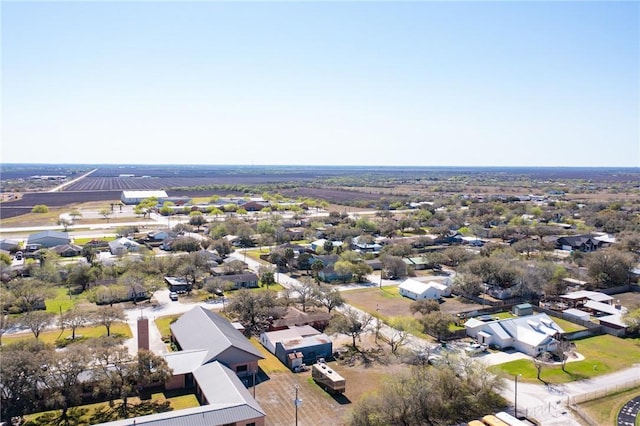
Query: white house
{"points": [[418, 290], [134, 197], [531, 334], [122, 246]]}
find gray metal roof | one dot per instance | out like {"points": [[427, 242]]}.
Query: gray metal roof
{"points": [[221, 387], [205, 415], [203, 329], [183, 362]]}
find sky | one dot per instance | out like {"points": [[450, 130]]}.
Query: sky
{"points": [[422, 83]]}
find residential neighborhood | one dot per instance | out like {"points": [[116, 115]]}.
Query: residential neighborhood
{"points": [[247, 294]]}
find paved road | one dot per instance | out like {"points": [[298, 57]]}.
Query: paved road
{"points": [[628, 413]]}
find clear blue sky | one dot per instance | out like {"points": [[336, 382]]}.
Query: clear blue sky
{"points": [[335, 83]]}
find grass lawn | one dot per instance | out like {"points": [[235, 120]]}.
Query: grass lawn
{"points": [[63, 302], [163, 324], [50, 336], [83, 241], [603, 354], [160, 402], [605, 410], [270, 364]]}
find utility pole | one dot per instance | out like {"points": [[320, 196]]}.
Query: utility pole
{"points": [[297, 402]]}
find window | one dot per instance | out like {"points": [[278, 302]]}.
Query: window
{"points": [[241, 368]]}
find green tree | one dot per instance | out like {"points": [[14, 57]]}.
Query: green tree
{"points": [[267, 278], [106, 213], [437, 324], [197, 219], [329, 297], [609, 267]]}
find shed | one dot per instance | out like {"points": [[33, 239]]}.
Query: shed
{"points": [[49, 239], [418, 290], [522, 309]]}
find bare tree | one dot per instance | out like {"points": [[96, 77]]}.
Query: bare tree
{"points": [[108, 315], [351, 323], [330, 298], [37, 321], [395, 338], [74, 319], [305, 291]]}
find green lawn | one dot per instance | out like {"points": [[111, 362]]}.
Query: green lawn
{"points": [[62, 300], [101, 411], [603, 354], [83, 241], [51, 336], [163, 324]]}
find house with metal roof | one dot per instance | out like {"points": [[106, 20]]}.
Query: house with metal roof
{"points": [[531, 334], [135, 197], [225, 400], [200, 329], [417, 290], [49, 239]]}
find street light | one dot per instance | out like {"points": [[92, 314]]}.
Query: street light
{"points": [[515, 400]]}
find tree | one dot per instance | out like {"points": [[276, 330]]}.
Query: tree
{"points": [[65, 223], [632, 319], [21, 378], [305, 291], [609, 267], [188, 244], [135, 285], [29, 294], [197, 219], [74, 319], [253, 309], [350, 323], [395, 338], [108, 315], [393, 266], [75, 215], [424, 306], [40, 208], [106, 213], [37, 321], [266, 277], [437, 324], [327, 246], [539, 362], [62, 379], [329, 297], [450, 394], [316, 267], [81, 274]]}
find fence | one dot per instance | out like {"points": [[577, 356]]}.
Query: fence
{"points": [[573, 402]]}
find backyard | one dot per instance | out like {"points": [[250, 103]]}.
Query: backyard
{"points": [[603, 354]]}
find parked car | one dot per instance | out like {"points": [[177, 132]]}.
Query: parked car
{"points": [[173, 296]]}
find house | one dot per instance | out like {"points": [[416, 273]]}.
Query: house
{"points": [[224, 398], [177, 284], [583, 243], [122, 246], [295, 317], [68, 250], [135, 197], [329, 275], [531, 335], [200, 329], [417, 263], [304, 340], [247, 280], [158, 236], [48, 239], [417, 290], [254, 205], [9, 245], [363, 247]]}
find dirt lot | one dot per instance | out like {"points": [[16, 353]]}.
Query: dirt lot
{"points": [[276, 394], [628, 299], [388, 303]]}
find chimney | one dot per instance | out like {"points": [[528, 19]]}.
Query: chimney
{"points": [[143, 333]]}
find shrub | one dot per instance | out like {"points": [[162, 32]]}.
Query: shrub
{"points": [[40, 208]]}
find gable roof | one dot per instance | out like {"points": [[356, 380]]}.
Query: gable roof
{"points": [[229, 402], [47, 234], [203, 329], [418, 287]]}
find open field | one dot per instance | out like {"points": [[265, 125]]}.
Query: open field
{"points": [[603, 354], [319, 408]]}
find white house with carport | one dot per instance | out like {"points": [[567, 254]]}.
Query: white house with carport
{"points": [[531, 335], [417, 290], [134, 197]]}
